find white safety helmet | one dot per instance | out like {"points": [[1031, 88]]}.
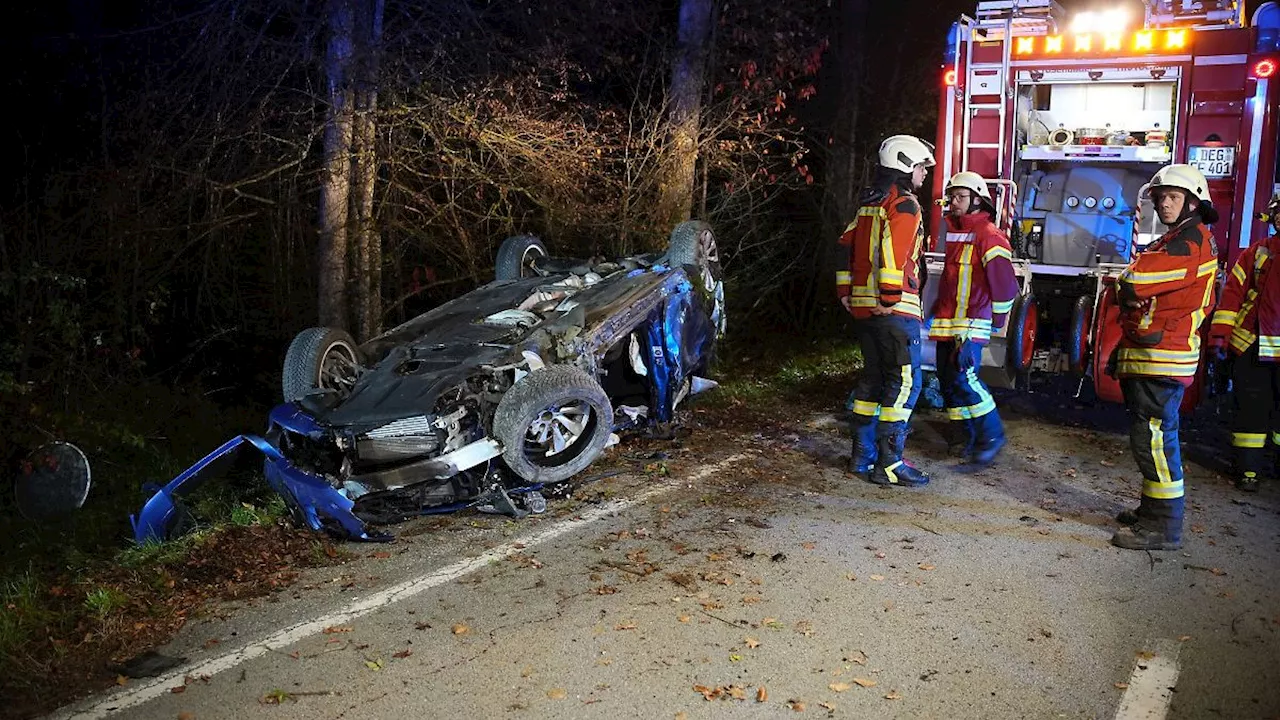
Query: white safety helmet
{"points": [[1183, 177], [904, 152], [970, 181]]}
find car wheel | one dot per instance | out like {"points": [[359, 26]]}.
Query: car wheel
{"points": [[320, 358], [1024, 321], [517, 256], [1078, 342], [553, 423], [694, 243]]}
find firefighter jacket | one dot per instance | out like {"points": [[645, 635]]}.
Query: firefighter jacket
{"points": [[978, 285], [1171, 283], [1249, 309], [884, 242]]}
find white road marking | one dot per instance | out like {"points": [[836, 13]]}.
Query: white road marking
{"points": [[151, 688], [1155, 672]]}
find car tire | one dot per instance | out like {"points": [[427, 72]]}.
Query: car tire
{"points": [[693, 243], [1024, 322], [319, 358], [547, 401], [516, 255], [1078, 340]]}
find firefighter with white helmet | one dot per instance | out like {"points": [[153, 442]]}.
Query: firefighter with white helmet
{"points": [[880, 287], [975, 295], [1246, 324], [1164, 295]]}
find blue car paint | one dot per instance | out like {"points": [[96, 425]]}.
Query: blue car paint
{"points": [[312, 496]]}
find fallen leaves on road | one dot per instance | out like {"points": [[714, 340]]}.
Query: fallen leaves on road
{"points": [[927, 566], [1183, 638], [402, 654], [625, 626], [557, 693], [275, 697], [375, 665], [808, 545], [186, 716], [684, 618], [335, 629], [877, 578], [752, 643], [797, 705], [722, 692], [892, 695], [762, 694], [839, 687], [460, 629], [864, 682], [1121, 685], [605, 590]]}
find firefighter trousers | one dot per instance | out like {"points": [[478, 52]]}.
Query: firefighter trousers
{"points": [[1153, 436], [1255, 397], [969, 403], [889, 383]]}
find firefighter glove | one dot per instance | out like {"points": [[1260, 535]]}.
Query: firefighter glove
{"points": [[1113, 363]]}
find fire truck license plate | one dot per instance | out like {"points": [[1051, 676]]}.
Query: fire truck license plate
{"points": [[1214, 162]]}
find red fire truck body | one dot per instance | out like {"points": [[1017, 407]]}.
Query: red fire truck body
{"points": [[1068, 126]]}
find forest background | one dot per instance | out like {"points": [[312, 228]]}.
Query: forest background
{"points": [[188, 184]]}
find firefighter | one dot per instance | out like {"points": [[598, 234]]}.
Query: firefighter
{"points": [[1247, 324], [881, 289], [974, 298], [1164, 295]]}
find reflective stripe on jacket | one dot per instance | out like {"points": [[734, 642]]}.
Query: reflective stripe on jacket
{"points": [[884, 242], [1249, 310], [1164, 296], [978, 286]]}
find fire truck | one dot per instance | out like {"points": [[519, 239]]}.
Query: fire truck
{"points": [[1068, 119]]}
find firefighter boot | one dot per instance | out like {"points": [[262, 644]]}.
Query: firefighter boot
{"points": [[1159, 527], [1248, 461], [891, 468], [990, 439], [961, 445], [864, 445], [1247, 481]]}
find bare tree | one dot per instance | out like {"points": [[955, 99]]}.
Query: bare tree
{"points": [[688, 75], [368, 243], [335, 182]]}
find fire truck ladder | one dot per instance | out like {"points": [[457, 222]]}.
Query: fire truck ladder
{"points": [[999, 20]]}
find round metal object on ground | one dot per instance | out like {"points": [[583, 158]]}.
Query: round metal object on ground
{"points": [[52, 481]]}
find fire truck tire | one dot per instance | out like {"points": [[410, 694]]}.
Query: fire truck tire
{"points": [[1078, 340], [1024, 322]]}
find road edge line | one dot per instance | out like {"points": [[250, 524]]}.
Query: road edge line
{"points": [[1151, 683]]}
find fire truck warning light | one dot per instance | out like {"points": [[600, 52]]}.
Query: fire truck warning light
{"points": [[1104, 42]]}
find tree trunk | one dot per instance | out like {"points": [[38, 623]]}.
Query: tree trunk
{"points": [[844, 166], [335, 189], [368, 242], [843, 171], [688, 72]]}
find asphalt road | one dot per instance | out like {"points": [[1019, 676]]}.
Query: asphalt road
{"points": [[761, 580]]}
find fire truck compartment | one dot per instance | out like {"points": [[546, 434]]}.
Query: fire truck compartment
{"points": [[1079, 215]]}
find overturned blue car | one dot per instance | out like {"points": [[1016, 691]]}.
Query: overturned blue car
{"points": [[482, 401]]}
